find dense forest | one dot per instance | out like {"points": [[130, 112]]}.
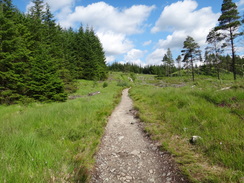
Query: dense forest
{"points": [[39, 60]]}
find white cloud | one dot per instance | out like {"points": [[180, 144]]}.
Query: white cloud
{"points": [[182, 19], [57, 6], [110, 59], [173, 41], [175, 16], [104, 17], [155, 58], [112, 25], [114, 43], [134, 56], [147, 43]]}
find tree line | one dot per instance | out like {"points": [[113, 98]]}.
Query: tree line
{"points": [[221, 36], [39, 60], [180, 68], [215, 62]]}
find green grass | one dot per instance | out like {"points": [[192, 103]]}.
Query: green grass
{"points": [[55, 142], [173, 114]]}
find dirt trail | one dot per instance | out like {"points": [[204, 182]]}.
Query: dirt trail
{"points": [[126, 155]]}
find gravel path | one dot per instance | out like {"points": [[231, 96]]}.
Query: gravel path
{"points": [[127, 155]]}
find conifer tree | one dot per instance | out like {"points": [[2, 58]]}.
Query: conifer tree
{"points": [[191, 53], [44, 83], [229, 21], [94, 60], [14, 53], [214, 50]]}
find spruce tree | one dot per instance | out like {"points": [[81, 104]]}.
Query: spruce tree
{"points": [[229, 21], [14, 53], [45, 83]]}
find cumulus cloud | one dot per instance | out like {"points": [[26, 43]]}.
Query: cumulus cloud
{"points": [[105, 17], [155, 58], [134, 56], [114, 43], [113, 25], [182, 19]]}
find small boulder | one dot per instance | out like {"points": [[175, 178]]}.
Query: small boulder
{"points": [[194, 139]]}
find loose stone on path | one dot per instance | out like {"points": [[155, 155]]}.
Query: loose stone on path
{"points": [[126, 155]]}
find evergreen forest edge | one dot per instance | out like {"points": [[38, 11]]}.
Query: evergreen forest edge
{"points": [[40, 61]]}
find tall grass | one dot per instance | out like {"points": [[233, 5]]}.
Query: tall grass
{"points": [[208, 108], [55, 142]]}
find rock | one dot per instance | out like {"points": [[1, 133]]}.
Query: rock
{"points": [[112, 170], [226, 88], [121, 137], [135, 152], [94, 93], [128, 177], [194, 139]]}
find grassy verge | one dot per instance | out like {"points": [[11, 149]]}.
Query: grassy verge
{"points": [[55, 142], [211, 109]]}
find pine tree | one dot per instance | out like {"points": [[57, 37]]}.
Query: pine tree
{"points": [[229, 21], [191, 53], [214, 50]]}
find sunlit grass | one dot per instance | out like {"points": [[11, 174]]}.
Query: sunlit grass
{"points": [[55, 142], [207, 108]]}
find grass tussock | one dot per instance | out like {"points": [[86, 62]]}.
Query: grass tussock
{"points": [[55, 142], [207, 108]]}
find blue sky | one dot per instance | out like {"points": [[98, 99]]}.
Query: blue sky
{"points": [[139, 31]]}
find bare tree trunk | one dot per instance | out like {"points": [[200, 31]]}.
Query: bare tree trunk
{"points": [[233, 54], [192, 69]]}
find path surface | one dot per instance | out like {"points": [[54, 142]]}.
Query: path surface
{"points": [[126, 155]]}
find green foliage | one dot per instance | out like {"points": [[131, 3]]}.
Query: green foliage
{"points": [[168, 62], [122, 83], [39, 60], [229, 21], [159, 70], [192, 53], [105, 84]]}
